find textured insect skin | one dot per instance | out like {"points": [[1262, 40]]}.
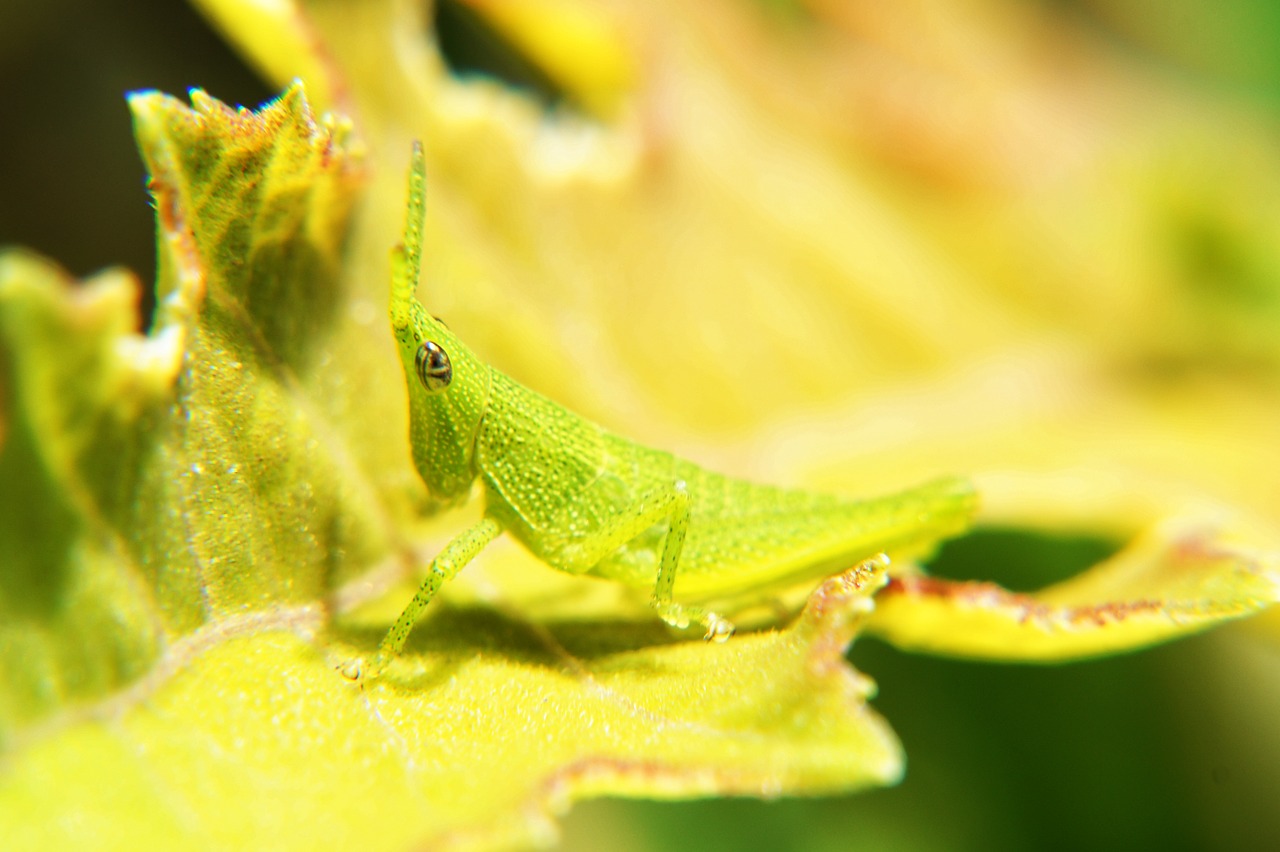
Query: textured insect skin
{"points": [[584, 500]]}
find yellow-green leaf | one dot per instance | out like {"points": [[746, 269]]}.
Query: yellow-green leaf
{"points": [[1178, 579], [946, 259], [174, 479], [244, 735], [208, 494]]}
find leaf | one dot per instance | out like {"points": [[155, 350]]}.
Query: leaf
{"points": [[1180, 578], [80, 413], [921, 302], [207, 492], [178, 479], [491, 723]]}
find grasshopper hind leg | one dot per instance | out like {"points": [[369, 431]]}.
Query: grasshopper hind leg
{"points": [[669, 503], [719, 629]]}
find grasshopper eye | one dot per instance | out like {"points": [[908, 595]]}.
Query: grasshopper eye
{"points": [[432, 363]]}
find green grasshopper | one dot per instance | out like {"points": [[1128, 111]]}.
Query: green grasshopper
{"points": [[586, 501]]}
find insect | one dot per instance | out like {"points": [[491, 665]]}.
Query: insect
{"points": [[586, 501]]}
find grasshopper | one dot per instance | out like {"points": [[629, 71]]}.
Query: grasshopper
{"points": [[586, 501]]}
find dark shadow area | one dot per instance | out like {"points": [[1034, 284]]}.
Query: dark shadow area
{"points": [[74, 184], [1020, 560], [472, 47]]}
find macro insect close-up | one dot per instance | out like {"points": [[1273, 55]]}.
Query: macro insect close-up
{"points": [[585, 501], [779, 426]]}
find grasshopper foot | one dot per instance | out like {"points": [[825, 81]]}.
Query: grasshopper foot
{"points": [[719, 628], [358, 671], [352, 670]]}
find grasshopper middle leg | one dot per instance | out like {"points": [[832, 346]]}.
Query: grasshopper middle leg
{"points": [[670, 504]]}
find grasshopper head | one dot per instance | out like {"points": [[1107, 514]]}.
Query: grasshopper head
{"points": [[448, 384]]}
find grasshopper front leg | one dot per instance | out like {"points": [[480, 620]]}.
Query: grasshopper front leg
{"points": [[670, 504], [448, 562]]}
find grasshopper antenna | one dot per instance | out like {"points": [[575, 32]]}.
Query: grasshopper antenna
{"points": [[406, 258]]}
